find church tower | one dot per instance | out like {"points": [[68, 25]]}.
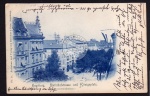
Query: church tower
{"points": [[38, 23]]}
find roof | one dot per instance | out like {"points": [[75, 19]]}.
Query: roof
{"points": [[33, 29], [92, 43], [50, 41], [21, 28], [18, 25], [53, 44], [78, 41]]}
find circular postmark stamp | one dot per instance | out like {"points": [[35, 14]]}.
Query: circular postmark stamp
{"points": [[75, 46]]}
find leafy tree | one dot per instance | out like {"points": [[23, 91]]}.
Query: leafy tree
{"points": [[97, 60], [53, 63], [85, 62], [40, 75], [109, 55], [52, 71]]}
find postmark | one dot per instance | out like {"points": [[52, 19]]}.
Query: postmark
{"points": [[77, 46]]}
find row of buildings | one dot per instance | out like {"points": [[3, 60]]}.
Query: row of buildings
{"points": [[68, 51], [31, 50]]}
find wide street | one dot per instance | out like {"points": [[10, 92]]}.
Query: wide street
{"points": [[86, 76]]}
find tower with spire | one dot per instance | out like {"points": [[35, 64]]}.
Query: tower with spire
{"points": [[57, 37], [38, 23]]}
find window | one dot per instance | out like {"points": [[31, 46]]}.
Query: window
{"points": [[36, 57], [36, 48], [22, 58], [67, 58], [18, 62], [22, 74], [26, 58], [20, 46], [40, 57], [32, 58], [33, 49], [25, 46], [32, 70], [50, 43], [59, 63]]}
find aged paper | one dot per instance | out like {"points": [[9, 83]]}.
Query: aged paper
{"points": [[76, 48]]}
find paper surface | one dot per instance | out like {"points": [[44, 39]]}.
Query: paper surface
{"points": [[76, 48]]}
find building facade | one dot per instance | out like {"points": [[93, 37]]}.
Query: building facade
{"points": [[68, 51], [65, 59], [93, 45], [28, 43]]}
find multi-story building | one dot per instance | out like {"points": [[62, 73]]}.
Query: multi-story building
{"points": [[65, 59], [68, 51], [28, 43], [93, 45]]}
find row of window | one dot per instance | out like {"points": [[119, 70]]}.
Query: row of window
{"points": [[21, 46], [36, 58], [29, 73], [24, 60], [37, 42]]}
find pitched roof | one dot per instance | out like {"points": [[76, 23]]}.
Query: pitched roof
{"points": [[78, 41], [52, 44], [93, 43], [18, 25], [33, 29], [89, 43], [50, 41], [21, 28]]}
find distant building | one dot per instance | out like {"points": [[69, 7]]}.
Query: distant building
{"points": [[28, 42], [79, 47], [93, 45], [67, 51], [64, 59], [102, 44]]}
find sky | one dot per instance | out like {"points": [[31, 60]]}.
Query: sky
{"points": [[88, 25]]}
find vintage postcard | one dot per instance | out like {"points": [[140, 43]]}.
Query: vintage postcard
{"points": [[76, 48]]}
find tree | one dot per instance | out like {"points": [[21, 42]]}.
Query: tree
{"points": [[52, 71], [97, 60], [104, 63], [85, 62], [40, 75], [53, 63], [109, 56]]}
